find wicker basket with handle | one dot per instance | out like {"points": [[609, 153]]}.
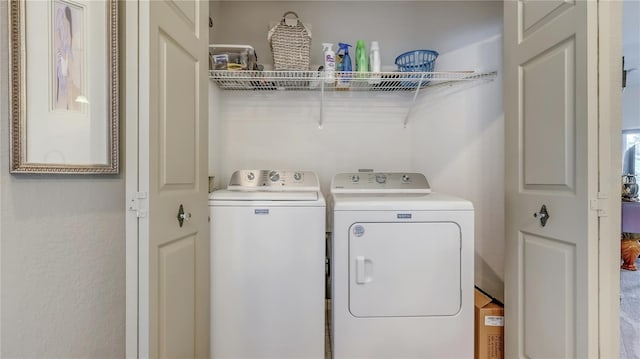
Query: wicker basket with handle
{"points": [[291, 45]]}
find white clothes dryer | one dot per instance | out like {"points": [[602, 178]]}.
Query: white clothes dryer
{"points": [[402, 269], [268, 266]]}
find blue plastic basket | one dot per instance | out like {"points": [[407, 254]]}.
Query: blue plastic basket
{"points": [[416, 61]]}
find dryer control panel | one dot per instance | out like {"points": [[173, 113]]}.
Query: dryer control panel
{"points": [[273, 180], [380, 182]]}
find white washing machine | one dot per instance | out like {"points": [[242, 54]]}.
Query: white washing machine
{"points": [[268, 266], [402, 269]]}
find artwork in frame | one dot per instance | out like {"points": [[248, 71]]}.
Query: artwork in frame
{"points": [[64, 86]]}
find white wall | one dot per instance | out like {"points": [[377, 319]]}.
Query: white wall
{"points": [[458, 142], [456, 139], [62, 259], [399, 26]]}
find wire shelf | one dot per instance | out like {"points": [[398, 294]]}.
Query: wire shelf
{"points": [[342, 81], [411, 83]]}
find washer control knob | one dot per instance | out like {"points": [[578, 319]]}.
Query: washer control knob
{"points": [[355, 178], [297, 176], [381, 178], [251, 176], [405, 178], [274, 176]]}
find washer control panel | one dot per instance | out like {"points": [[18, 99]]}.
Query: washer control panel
{"points": [[380, 182], [273, 180]]}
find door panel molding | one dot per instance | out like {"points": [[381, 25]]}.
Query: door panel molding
{"points": [[176, 309], [548, 117], [534, 15], [178, 83], [546, 258], [188, 14]]}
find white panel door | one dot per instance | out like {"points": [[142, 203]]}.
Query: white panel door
{"points": [[173, 257], [551, 159]]}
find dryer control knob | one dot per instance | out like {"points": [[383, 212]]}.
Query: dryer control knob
{"points": [[274, 176], [355, 178], [251, 176], [380, 178], [405, 178], [297, 176]]}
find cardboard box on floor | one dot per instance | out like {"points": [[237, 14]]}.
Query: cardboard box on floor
{"points": [[489, 327]]}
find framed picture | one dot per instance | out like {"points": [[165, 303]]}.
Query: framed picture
{"points": [[64, 86]]}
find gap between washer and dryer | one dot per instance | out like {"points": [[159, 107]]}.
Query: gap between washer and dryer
{"points": [[327, 329]]}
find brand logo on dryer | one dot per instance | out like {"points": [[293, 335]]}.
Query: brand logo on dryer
{"points": [[358, 230]]}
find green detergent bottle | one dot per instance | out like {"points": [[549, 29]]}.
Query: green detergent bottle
{"points": [[362, 61]]}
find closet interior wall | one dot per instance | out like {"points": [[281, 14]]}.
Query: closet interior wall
{"points": [[454, 134]]}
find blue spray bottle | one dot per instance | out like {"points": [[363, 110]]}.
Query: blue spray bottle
{"points": [[344, 64]]}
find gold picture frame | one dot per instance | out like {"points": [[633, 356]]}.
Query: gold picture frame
{"points": [[64, 96]]}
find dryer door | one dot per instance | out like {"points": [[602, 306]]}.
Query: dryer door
{"points": [[404, 269]]}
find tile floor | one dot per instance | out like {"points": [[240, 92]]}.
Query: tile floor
{"points": [[630, 313]]}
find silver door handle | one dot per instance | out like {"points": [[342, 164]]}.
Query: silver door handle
{"points": [[543, 215], [183, 216]]}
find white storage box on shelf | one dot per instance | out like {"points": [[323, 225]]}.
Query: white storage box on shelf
{"points": [[230, 57]]}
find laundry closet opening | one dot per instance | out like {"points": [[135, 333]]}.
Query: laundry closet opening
{"points": [[455, 139]]}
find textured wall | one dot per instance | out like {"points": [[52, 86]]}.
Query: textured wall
{"points": [[62, 256]]}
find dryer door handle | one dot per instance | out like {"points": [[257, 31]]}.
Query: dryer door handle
{"points": [[361, 275]]}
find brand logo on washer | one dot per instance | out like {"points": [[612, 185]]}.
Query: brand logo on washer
{"points": [[358, 231], [261, 211]]}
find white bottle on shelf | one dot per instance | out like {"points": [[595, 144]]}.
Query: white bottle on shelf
{"points": [[329, 63], [374, 62]]}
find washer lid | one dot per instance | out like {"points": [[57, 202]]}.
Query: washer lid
{"points": [[379, 182]]}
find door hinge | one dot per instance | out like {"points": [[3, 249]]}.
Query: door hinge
{"points": [[600, 204], [138, 204]]}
